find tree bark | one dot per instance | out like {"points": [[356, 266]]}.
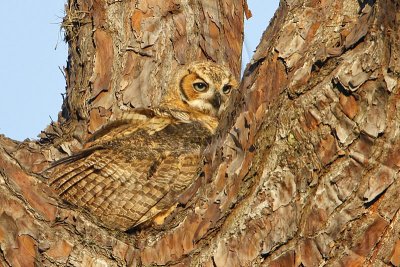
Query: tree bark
{"points": [[303, 171]]}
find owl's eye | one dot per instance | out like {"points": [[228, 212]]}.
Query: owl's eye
{"points": [[200, 86], [227, 89]]}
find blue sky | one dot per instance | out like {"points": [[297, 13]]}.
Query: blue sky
{"points": [[32, 51]]}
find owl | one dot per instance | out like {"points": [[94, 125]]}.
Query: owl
{"points": [[132, 171]]}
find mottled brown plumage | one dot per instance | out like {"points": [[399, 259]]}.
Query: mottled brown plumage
{"points": [[134, 169]]}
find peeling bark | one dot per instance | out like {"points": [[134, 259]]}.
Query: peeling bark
{"points": [[303, 171]]}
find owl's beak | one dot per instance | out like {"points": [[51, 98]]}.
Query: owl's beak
{"points": [[216, 101]]}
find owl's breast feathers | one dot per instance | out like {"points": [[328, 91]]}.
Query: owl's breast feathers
{"points": [[134, 168]]}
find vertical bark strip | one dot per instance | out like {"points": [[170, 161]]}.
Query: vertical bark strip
{"points": [[122, 53], [313, 176]]}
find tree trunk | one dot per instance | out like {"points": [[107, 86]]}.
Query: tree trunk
{"points": [[302, 172]]}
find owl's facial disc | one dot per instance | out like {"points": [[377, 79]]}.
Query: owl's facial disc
{"points": [[206, 87]]}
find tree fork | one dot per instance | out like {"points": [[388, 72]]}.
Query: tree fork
{"points": [[303, 170]]}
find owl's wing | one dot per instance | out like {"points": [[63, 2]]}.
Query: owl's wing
{"points": [[135, 174]]}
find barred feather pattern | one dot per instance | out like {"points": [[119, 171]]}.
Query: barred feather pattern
{"points": [[133, 171]]}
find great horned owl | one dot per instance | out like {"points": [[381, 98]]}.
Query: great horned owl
{"points": [[133, 170]]}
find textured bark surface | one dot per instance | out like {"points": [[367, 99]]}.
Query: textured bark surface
{"points": [[304, 170], [123, 53]]}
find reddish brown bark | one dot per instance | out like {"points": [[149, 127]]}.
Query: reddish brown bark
{"points": [[304, 170]]}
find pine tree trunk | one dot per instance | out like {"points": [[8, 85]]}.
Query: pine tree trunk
{"points": [[304, 170]]}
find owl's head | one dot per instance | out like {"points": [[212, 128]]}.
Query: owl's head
{"points": [[204, 87]]}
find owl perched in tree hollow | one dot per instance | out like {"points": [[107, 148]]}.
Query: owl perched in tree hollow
{"points": [[133, 169]]}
